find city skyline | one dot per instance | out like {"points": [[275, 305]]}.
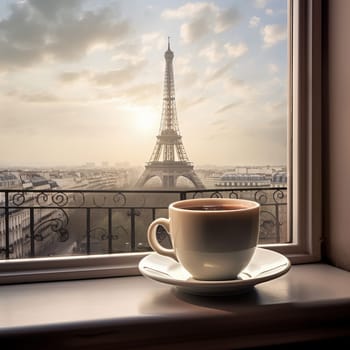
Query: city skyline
{"points": [[98, 96]]}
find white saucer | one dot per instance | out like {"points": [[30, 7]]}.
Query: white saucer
{"points": [[264, 266]]}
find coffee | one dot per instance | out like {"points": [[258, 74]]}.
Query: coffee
{"points": [[216, 207]]}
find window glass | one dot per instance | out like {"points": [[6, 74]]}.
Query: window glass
{"points": [[110, 110]]}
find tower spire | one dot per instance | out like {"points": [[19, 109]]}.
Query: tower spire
{"points": [[169, 160]]}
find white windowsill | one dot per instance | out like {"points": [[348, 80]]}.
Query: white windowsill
{"points": [[310, 302]]}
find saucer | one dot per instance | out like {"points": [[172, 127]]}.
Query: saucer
{"points": [[264, 266]]}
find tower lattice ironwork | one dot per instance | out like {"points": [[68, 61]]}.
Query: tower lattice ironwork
{"points": [[169, 160]]}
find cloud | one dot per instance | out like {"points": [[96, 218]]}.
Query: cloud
{"points": [[190, 10], [236, 50], [142, 93], [185, 104], [215, 53], [273, 33], [254, 21], [227, 107], [38, 97], [218, 73], [276, 108], [69, 77], [243, 90], [117, 76], [139, 93], [201, 19], [78, 35], [152, 40], [212, 52], [114, 77], [36, 30], [53, 8], [195, 30], [191, 78], [183, 65], [221, 123], [128, 52], [226, 19], [260, 3]]}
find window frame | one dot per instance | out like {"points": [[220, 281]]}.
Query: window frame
{"points": [[305, 130], [304, 161]]}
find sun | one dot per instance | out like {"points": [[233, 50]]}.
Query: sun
{"points": [[146, 120]]}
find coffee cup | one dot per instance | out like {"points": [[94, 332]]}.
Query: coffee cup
{"points": [[212, 238]]}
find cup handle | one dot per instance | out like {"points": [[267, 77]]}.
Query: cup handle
{"points": [[152, 237]]}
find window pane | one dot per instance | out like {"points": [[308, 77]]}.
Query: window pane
{"points": [[110, 110]]}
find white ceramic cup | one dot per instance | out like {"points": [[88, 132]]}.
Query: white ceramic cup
{"points": [[213, 238]]}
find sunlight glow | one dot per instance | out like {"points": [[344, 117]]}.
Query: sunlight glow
{"points": [[146, 120]]}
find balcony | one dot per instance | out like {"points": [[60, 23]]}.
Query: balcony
{"points": [[42, 223]]}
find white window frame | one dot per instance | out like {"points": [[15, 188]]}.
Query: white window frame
{"points": [[304, 188]]}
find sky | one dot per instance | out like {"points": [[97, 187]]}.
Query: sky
{"points": [[82, 80]]}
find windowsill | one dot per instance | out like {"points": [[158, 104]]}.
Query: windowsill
{"points": [[310, 303]]}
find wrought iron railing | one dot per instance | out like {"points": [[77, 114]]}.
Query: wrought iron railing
{"points": [[35, 223]]}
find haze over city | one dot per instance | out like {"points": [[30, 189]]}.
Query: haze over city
{"points": [[82, 81]]}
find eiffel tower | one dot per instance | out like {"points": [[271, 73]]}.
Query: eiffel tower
{"points": [[169, 160]]}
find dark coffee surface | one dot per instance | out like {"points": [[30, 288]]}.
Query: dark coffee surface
{"points": [[215, 207]]}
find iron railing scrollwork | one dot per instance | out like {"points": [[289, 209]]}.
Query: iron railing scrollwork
{"points": [[36, 223], [56, 223]]}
